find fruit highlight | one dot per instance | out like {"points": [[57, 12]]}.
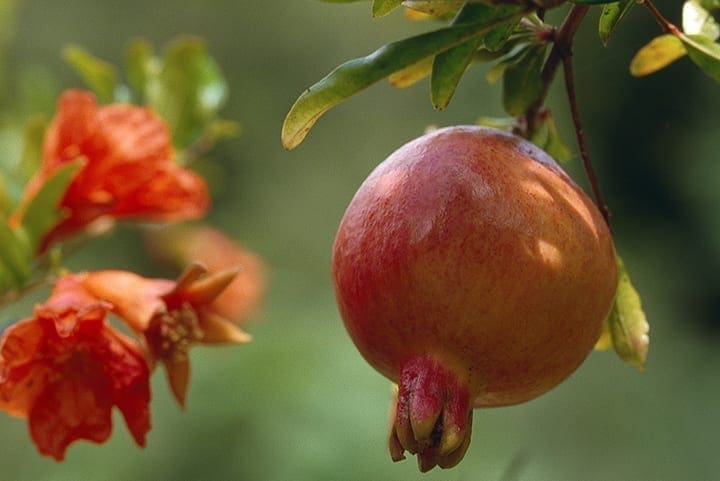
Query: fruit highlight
{"points": [[470, 270]]}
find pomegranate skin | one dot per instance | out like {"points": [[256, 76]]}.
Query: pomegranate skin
{"points": [[470, 247]]}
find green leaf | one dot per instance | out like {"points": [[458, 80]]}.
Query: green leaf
{"points": [[383, 7], [435, 8], [33, 136], [592, 2], [696, 20], [41, 213], [627, 323], [448, 69], [611, 16], [356, 75], [141, 66], [522, 82], [15, 258], [511, 57], [412, 74], [189, 89], [710, 4], [100, 76], [656, 55], [501, 123], [705, 53], [496, 39], [554, 143], [449, 66]]}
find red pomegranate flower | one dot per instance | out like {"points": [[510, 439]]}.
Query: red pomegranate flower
{"points": [[128, 172], [65, 369], [171, 315], [178, 245]]}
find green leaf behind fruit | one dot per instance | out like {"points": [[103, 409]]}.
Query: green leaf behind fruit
{"points": [[522, 82]]}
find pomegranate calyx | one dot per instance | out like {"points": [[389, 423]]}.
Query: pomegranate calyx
{"points": [[432, 415]]}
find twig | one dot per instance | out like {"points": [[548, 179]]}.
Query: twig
{"points": [[664, 23], [580, 135], [562, 41]]}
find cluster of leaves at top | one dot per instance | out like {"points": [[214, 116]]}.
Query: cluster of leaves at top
{"points": [[65, 367], [517, 43]]}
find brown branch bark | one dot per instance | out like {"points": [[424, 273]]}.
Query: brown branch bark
{"points": [[580, 135], [562, 42]]}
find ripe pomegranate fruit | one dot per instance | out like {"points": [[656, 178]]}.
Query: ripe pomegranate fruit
{"points": [[470, 270]]}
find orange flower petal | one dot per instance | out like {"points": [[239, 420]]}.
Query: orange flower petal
{"points": [[205, 290], [178, 375], [65, 368], [179, 245], [218, 330], [134, 298]]}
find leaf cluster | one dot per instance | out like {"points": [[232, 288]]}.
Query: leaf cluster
{"points": [[697, 40], [183, 84]]}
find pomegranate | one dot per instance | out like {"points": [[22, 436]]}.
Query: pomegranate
{"points": [[473, 272]]}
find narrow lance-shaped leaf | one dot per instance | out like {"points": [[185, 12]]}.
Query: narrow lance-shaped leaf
{"points": [[41, 214], [554, 144], [705, 53], [496, 39], [627, 323], [434, 7], [15, 258], [383, 7], [511, 57], [33, 135], [611, 16], [522, 82], [139, 59], [412, 74], [656, 55], [449, 66], [189, 90], [99, 75], [356, 75]]}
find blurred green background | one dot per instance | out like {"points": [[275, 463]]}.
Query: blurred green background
{"points": [[299, 403]]}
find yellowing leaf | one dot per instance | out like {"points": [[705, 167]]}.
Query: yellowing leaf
{"points": [[434, 8], [412, 74], [383, 7], [628, 325], [656, 55], [604, 342]]}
